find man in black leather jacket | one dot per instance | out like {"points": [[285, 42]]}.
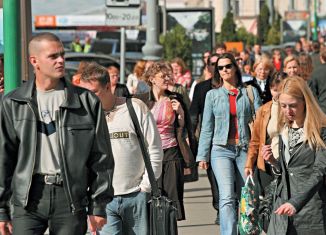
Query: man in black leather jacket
{"points": [[56, 163]]}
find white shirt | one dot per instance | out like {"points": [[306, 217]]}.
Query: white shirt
{"points": [[129, 170], [262, 84]]}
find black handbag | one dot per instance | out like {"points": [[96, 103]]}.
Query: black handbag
{"points": [[162, 213], [266, 185], [190, 172], [266, 205]]}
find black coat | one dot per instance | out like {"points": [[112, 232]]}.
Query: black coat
{"points": [[86, 160], [266, 95], [198, 102], [292, 183], [318, 85]]}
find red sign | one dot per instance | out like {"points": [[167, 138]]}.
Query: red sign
{"points": [[296, 15], [45, 21]]}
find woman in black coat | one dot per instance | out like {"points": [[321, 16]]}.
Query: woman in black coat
{"points": [[301, 142], [263, 70]]}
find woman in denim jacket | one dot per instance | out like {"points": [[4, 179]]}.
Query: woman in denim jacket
{"points": [[225, 132]]}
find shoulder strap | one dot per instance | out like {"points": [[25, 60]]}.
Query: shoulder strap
{"points": [[155, 190], [251, 97]]}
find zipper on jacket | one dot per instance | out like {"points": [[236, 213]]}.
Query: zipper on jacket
{"points": [[58, 125], [298, 149], [302, 144], [30, 181]]}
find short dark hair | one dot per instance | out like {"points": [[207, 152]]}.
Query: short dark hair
{"points": [[94, 71], [220, 45], [276, 79], [43, 36], [315, 46]]}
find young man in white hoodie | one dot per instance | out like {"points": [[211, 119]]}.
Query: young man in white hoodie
{"points": [[127, 212]]}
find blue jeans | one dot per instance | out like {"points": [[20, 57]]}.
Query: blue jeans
{"points": [[127, 215], [228, 164]]}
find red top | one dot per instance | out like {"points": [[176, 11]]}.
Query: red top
{"points": [[277, 64], [233, 130]]}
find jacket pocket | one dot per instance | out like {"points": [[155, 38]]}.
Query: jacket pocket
{"points": [[79, 128]]}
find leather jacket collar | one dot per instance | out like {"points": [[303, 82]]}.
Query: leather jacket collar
{"points": [[26, 91]]}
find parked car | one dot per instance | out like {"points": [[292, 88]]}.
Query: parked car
{"points": [[73, 59]]}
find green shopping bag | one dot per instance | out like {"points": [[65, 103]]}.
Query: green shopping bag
{"points": [[249, 223]]}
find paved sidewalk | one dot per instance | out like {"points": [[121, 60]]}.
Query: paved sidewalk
{"points": [[200, 214]]}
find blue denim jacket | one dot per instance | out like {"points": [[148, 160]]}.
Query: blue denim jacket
{"points": [[216, 119]]}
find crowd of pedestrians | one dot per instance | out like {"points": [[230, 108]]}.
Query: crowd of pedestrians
{"points": [[69, 152]]}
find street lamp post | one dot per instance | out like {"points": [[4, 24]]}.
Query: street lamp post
{"points": [[152, 50], [315, 33], [12, 44], [26, 35], [271, 9], [291, 5]]}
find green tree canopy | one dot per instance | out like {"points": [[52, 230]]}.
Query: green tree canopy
{"points": [[273, 37], [246, 37], [176, 43], [263, 25], [228, 28], [203, 21], [274, 34]]}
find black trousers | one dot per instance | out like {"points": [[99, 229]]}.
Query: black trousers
{"points": [[214, 187], [171, 181], [48, 208]]}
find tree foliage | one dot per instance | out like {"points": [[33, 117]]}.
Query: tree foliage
{"points": [[277, 21], [246, 37], [273, 37], [274, 34], [203, 21], [228, 29], [176, 43], [263, 25]]}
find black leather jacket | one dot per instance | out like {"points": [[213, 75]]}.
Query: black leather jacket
{"points": [[86, 159]]}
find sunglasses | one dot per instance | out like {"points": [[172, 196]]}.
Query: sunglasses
{"points": [[227, 66]]}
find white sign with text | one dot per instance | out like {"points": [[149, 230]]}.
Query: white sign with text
{"points": [[122, 16]]}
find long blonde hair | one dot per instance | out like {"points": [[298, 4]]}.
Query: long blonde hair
{"points": [[314, 120]]}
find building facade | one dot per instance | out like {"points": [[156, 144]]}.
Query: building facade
{"points": [[246, 11]]}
